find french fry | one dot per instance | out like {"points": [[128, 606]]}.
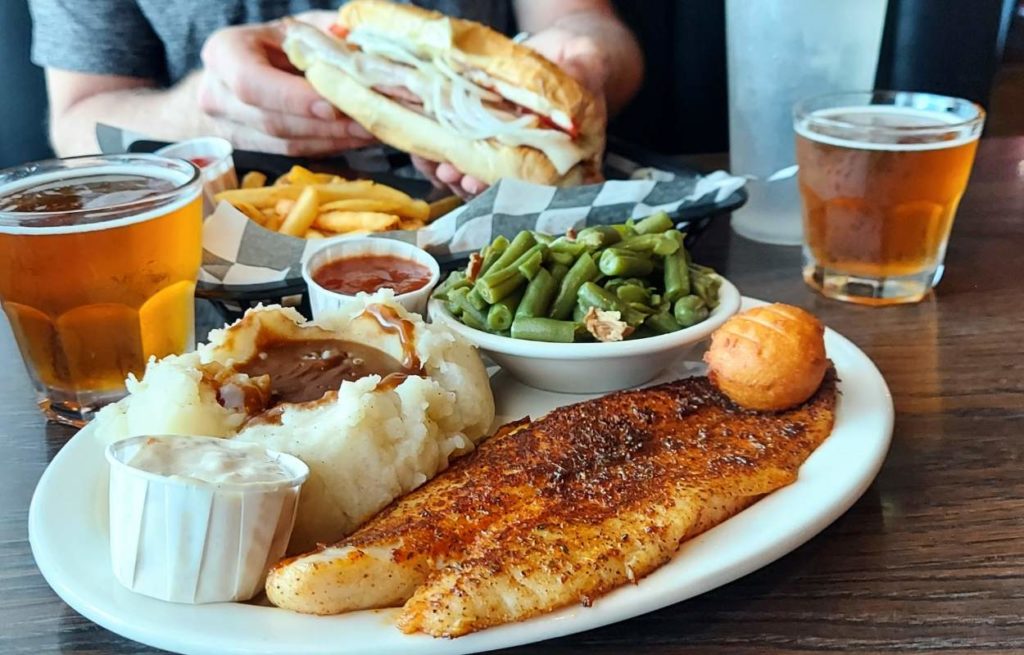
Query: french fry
{"points": [[314, 234], [413, 209], [439, 208], [302, 175], [254, 180], [302, 213], [274, 221], [252, 213], [283, 206], [410, 224], [260, 198], [345, 221]]}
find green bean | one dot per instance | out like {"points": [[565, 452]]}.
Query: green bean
{"points": [[476, 299], [497, 284], [543, 329], [500, 272], [662, 323], [564, 245], [677, 276], [469, 312], [520, 244], [538, 295], [529, 266], [656, 222], [625, 263], [662, 244], [632, 293], [579, 312], [592, 295], [456, 280], [557, 257], [641, 308], [453, 308], [499, 316], [541, 238], [558, 271], [492, 252], [690, 310], [596, 237], [625, 230], [706, 286], [473, 321], [584, 270]]}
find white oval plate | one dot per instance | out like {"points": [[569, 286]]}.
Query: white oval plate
{"points": [[68, 534]]}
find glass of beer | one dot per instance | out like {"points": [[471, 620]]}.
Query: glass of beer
{"points": [[880, 176], [98, 264]]}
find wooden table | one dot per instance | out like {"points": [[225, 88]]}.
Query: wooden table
{"points": [[930, 559]]}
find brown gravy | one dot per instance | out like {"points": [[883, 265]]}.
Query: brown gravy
{"points": [[302, 371]]}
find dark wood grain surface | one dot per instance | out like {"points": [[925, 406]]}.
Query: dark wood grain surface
{"points": [[930, 559]]}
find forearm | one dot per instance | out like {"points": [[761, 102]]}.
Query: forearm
{"points": [[164, 114], [622, 59]]}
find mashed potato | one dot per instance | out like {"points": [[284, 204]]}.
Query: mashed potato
{"points": [[366, 447]]}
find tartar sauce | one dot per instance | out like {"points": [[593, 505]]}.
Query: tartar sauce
{"points": [[215, 461]]}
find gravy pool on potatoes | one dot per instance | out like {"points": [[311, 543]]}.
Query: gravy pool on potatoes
{"points": [[303, 371]]}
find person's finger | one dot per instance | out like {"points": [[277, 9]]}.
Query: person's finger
{"points": [[473, 186], [238, 57], [247, 138], [448, 174], [216, 100], [428, 169]]}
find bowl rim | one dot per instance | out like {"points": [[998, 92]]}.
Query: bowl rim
{"points": [[728, 305], [424, 258]]}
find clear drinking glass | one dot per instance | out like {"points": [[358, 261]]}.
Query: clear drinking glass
{"points": [[881, 176], [98, 264], [779, 51]]}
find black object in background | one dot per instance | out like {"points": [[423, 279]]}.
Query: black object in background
{"points": [[953, 47], [23, 95], [681, 107]]}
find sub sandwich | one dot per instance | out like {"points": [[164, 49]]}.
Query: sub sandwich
{"points": [[453, 90]]}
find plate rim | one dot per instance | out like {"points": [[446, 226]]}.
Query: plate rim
{"points": [[562, 622]]}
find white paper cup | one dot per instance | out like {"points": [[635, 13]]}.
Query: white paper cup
{"points": [[218, 169], [323, 301], [187, 541]]}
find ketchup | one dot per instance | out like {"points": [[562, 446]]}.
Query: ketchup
{"points": [[369, 273], [201, 162]]}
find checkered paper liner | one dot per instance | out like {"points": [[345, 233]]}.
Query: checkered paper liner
{"points": [[237, 251]]}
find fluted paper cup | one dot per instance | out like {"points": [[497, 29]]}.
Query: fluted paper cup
{"points": [[188, 541], [324, 301]]}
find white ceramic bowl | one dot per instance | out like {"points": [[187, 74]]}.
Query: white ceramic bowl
{"points": [[323, 300], [218, 170], [187, 541], [591, 367]]}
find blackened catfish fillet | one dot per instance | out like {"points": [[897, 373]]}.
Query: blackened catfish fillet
{"points": [[560, 510]]}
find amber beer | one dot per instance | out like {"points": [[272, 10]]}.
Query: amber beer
{"points": [[98, 265], [880, 185]]}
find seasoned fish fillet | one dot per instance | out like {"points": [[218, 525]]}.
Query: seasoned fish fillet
{"points": [[560, 510]]}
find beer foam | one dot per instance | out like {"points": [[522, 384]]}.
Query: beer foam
{"points": [[178, 178], [913, 120]]}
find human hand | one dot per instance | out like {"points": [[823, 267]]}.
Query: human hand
{"points": [[578, 55], [250, 94]]}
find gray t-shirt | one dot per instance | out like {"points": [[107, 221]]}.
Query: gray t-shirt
{"points": [[160, 40]]}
